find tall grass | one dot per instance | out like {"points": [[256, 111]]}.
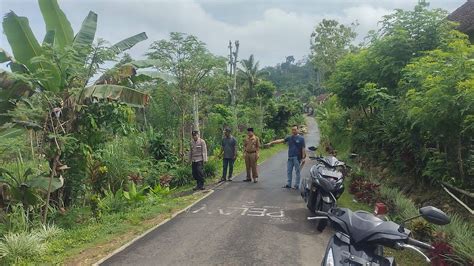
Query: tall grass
{"points": [[460, 236], [17, 248]]}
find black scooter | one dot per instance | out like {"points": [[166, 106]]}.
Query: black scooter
{"points": [[325, 184], [360, 237]]}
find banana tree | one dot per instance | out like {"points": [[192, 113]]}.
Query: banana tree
{"points": [[31, 57], [58, 67]]}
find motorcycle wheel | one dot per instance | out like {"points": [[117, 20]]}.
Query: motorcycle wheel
{"points": [[325, 207]]}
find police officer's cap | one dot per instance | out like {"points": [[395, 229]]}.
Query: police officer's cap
{"points": [[250, 129], [195, 133]]}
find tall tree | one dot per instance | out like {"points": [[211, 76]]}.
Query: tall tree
{"points": [[249, 71], [330, 41], [187, 59]]}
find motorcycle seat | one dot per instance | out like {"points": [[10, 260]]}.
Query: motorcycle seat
{"points": [[362, 222]]}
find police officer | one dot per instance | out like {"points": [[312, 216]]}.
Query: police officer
{"points": [[198, 156], [251, 155]]}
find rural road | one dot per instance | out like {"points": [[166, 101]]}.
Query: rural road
{"points": [[239, 224]]}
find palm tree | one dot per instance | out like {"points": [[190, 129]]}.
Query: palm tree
{"points": [[249, 71]]}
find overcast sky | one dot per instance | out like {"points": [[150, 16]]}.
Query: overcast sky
{"points": [[269, 29]]}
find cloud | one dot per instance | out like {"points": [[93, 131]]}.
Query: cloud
{"points": [[270, 30]]}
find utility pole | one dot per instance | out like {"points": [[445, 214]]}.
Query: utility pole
{"points": [[233, 59]]}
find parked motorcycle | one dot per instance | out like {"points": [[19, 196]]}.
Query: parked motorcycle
{"points": [[324, 185], [360, 236]]}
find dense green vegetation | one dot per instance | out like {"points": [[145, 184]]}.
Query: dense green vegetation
{"points": [[403, 102], [83, 160]]}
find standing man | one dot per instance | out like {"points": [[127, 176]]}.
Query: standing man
{"points": [[251, 155], [296, 154], [229, 150], [198, 156]]}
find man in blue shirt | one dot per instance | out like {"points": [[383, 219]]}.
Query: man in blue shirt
{"points": [[296, 153]]}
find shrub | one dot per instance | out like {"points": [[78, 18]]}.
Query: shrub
{"points": [[122, 158], [160, 147], [113, 201], [441, 254], [268, 135], [48, 232], [161, 191], [182, 176], [16, 248], [460, 235], [17, 219], [400, 206], [211, 168], [365, 191]]}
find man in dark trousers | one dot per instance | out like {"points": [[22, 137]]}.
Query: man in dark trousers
{"points": [[296, 153], [198, 156], [229, 152]]}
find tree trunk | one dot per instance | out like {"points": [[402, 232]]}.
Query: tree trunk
{"points": [[181, 139], [460, 160], [195, 112], [48, 195]]}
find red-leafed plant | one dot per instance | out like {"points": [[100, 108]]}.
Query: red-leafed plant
{"points": [[365, 191], [440, 253]]}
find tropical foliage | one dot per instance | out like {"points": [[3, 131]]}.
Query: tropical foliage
{"points": [[82, 144], [403, 102]]}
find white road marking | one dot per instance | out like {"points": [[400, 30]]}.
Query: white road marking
{"points": [[245, 210]]}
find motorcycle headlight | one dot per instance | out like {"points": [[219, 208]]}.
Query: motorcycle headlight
{"points": [[330, 258]]}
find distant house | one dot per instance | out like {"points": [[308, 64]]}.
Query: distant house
{"points": [[464, 15], [320, 99]]}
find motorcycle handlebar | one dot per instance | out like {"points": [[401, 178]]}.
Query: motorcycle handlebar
{"points": [[420, 244]]}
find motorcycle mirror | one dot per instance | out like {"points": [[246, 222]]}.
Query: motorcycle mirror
{"points": [[312, 148], [434, 215]]}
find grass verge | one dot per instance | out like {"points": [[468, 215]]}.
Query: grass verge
{"points": [[89, 240]]}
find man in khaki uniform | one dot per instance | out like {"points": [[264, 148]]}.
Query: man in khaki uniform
{"points": [[251, 155]]}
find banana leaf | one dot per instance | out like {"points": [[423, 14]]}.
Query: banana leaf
{"points": [[145, 63], [25, 48], [115, 93], [117, 75], [86, 35], [49, 37], [128, 43], [42, 183], [12, 87], [157, 75], [12, 63], [56, 20], [22, 41], [4, 56]]}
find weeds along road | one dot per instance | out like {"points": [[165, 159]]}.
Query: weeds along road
{"points": [[239, 224]]}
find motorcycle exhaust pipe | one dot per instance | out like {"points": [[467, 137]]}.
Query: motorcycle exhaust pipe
{"points": [[317, 218]]}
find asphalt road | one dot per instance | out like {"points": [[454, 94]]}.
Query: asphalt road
{"points": [[239, 224]]}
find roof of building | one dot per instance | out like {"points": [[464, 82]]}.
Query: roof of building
{"points": [[464, 15]]}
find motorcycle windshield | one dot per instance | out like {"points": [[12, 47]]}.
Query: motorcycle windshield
{"points": [[363, 226]]}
